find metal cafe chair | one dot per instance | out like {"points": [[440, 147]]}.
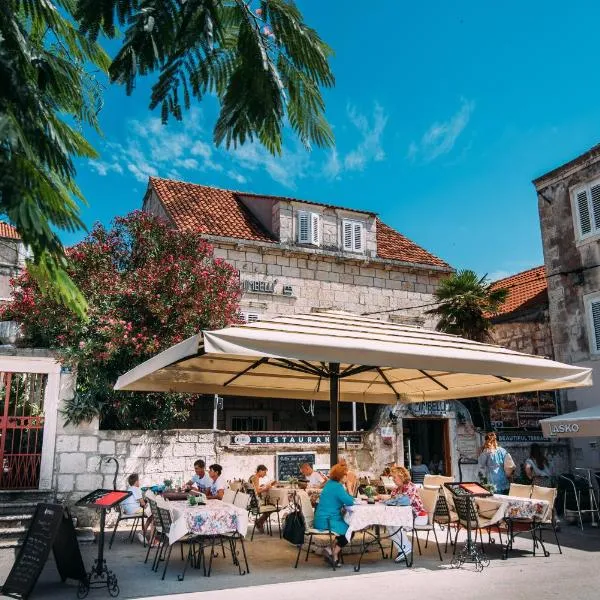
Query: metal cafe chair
{"points": [[548, 494], [430, 498], [320, 537], [572, 489], [136, 519], [257, 510]]}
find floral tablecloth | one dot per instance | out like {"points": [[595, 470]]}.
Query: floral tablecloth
{"points": [[361, 516], [213, 518], [499, 507]]}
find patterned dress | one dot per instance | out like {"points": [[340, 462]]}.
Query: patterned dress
{"points": [[411, 490]]}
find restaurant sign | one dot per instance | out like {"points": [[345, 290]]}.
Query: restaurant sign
{"points": [[523, 436], [285, 439]]}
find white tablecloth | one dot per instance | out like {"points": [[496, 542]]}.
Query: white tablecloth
{"points": [[361, 516], [214, 518]]}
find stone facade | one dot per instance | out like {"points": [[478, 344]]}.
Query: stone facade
{"points": [[572, 258], [530, 334], [324, 276]]}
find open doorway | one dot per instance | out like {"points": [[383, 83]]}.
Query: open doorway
{"points": [[430, 439]]}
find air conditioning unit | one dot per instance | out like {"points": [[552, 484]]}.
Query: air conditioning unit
{"points": [[288, 290]]}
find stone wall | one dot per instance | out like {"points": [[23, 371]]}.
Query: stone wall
{"points": [[570, 263], [531, 336]]}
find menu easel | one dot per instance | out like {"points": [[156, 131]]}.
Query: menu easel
{"points": [[463, 494], [100, 575]]}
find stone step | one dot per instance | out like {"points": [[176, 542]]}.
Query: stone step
{"points": [[16, 520], [17, 508], [26, 496], [13, 532]]}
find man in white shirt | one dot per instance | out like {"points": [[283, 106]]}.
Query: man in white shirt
{"points": [[218, 484], [200, 481], [314, 478]]}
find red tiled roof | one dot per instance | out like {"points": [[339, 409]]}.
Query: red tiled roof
{"points": [[393, 245], [209, 210], [219, 212], [525, 290], [8, 231]]}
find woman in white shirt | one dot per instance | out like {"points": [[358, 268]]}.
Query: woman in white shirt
{"points": [[537, 467]]}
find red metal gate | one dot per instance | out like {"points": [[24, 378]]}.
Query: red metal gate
{"points": [[21, 429]]}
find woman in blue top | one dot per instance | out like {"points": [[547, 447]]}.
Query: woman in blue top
{"points": [[491, 461], [329, 511]]}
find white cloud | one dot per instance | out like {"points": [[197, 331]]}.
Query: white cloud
{"points": [[104, 168], [441, 137], [369, 148], [285, 169], [236, 176], [497, 275]]}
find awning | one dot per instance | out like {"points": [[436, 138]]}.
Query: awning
{"points": [[307, 356], [581, 423]]}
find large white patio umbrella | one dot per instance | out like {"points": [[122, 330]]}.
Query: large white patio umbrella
{"points": [[310, 356], [581, 423]]}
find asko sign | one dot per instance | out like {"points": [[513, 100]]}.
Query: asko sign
{"points": [[564, 428]]}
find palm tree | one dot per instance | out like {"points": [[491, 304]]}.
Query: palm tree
{"points": [[46, 94], [258, 57], [465, 303]]}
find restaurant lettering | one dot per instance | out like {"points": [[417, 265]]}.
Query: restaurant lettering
{"points": [[564, 428], [263, 287], [291, 438]]}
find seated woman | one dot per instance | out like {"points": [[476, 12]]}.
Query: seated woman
{"points": [[537, 467], [329, 511], [405, 494], [259, 490]]}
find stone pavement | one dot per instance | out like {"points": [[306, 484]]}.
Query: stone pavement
{"points": [[573, 575]]}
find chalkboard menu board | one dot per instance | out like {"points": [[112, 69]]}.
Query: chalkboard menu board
{"points": [[51, 528], [288, 464]]}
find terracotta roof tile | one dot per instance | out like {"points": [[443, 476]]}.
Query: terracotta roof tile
{"points": [[209, 210], [393, 245], [8, 231], [525, 290], [219, 212]]}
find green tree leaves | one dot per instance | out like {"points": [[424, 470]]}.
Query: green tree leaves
{"points": [[265, 65], [45, 91]]}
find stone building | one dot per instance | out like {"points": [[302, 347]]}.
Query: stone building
{"points": [[296, 256], [523, 324], [569, 208]]}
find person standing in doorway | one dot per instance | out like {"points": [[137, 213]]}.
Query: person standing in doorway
{"points": [[496, 463]]}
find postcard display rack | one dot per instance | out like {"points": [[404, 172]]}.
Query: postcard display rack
{"points": [[464, 494], [100, 576]]}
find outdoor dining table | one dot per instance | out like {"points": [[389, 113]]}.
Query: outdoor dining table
{"points": [[371, 519], [213, 518], [513, 511]]}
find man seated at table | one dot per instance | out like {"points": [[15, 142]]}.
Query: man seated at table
{"points": [[314, 478], [351, 483], [217, 486], [200, 481]]}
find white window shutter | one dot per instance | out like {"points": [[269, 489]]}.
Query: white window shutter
{"points": [[347, 235], [358, 245], [315, 230], [583, 210], [303, 228], [595, 314], [595, 194]]}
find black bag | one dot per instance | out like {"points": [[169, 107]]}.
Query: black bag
{"points": [[293, 530]]}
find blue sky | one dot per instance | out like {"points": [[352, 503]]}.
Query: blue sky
{"points": [[443, 114]]}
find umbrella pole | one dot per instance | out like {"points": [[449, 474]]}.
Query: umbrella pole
{"points": [[334, 396]]}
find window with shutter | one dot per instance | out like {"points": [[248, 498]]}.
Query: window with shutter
{"points": [[592, 303], [309, 228], [347, 235], [352, 234], [315, 229], [586, 209], [303, 228]]}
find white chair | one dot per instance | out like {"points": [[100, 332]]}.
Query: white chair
{"points": [[303, 504], [430, 499], [229, 496], [518, 490], [548, 494]]}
